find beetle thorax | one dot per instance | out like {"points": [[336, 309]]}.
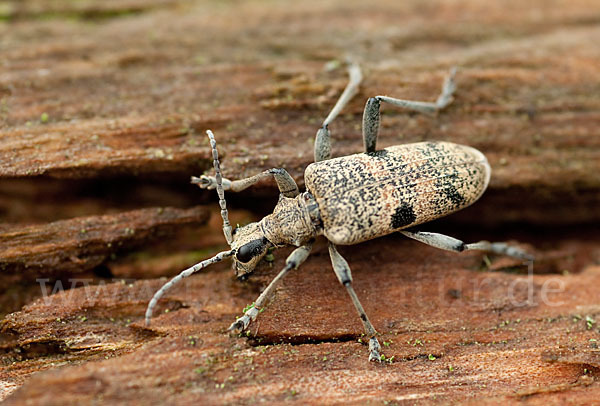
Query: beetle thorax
{"points": [[294, 221]]}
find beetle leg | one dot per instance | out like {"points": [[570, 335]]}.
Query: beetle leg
{"points": [[286, 184], [370, 126], [371, 115], [293, 261], [452, 244], [443, 100], [323, 144], [342, 271], [323, 139]]}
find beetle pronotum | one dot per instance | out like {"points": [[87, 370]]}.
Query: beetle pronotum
{"points": [[352, 199]]}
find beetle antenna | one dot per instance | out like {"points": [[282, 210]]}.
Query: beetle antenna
{"points": [[184, 274], [220, 191]]}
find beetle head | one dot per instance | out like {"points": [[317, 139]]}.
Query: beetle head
{"points": [[250, 246]]}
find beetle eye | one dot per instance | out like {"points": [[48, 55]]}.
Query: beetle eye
{"points": [[249, 250]]}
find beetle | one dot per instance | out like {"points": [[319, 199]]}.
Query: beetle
{"points": [[352, 199]]}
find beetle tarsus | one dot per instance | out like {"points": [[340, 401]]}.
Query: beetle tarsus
{"points": [[240, 324], [374, 348], [243, 322], [513, 251], [204, 182], [210, 182]]}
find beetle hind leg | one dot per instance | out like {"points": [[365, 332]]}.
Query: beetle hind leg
{"points": [[443, 100], [342, 271], [371, 115], [452, 244]]}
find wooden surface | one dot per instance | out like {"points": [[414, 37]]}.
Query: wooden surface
{"points": [[103, 108]]}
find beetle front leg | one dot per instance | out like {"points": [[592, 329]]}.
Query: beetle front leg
{"points": [[286, 184], [293, 261], [453, 244], [342, 271]]}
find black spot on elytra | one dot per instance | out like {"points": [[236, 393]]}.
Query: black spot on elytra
{"points": [[452, 194], [378, 154], [403, 216]]}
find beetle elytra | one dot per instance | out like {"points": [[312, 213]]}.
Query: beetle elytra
{"points": [[354, 198]]}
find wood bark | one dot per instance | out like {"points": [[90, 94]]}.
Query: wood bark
{"points": [[103, 109]]}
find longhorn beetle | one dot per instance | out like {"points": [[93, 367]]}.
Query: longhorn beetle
{"points": [[352, 199]]}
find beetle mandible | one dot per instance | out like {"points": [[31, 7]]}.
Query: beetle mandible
{"points": [[352, 199]]}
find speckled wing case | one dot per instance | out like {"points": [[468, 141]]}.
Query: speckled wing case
{"points": [[365, 196]]}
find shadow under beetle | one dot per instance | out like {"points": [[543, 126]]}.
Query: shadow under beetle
{"points": [[354, 198]]}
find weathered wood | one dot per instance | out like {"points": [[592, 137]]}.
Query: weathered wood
{"points": [[86, 9], [454, 333], [526, 98], [152, 101], [80, 244], [104, 90]]}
